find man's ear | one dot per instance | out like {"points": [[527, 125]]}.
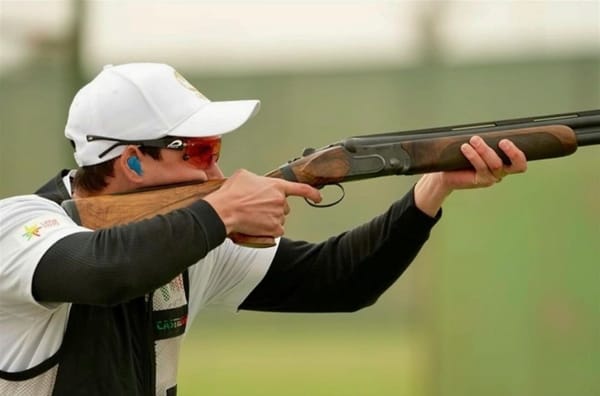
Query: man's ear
{"points": [[130, 164]]}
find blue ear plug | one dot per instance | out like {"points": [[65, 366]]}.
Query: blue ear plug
{"points": [[134, 165]]}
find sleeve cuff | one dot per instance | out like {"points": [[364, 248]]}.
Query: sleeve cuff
{"points": [[412, 219], [434, 219], [211, 223]]}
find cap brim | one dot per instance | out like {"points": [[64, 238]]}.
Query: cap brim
{"points": [[217, 118]]}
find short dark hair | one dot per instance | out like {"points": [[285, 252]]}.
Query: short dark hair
{"points": [[92, 178]]}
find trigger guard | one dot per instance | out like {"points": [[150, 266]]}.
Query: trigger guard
{"points": [[328, 205]]}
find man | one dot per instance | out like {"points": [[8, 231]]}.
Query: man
{"points": [[103, 312]]}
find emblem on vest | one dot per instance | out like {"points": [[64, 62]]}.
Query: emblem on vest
{"points": [[170, 311]]}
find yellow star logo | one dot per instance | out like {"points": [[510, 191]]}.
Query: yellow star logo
{"points": [[31, 231]]}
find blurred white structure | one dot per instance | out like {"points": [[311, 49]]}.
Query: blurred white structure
{"points": [[267, 36]]}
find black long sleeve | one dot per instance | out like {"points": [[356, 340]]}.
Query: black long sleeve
{"points": [[113, 265], [347, 272]]}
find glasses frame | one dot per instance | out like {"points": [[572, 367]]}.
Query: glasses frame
{"points": [[167, 142]]}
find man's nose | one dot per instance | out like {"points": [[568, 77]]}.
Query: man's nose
{"points": [[214, 172]]}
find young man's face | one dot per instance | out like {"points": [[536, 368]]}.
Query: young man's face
{"points": [[173, 168]]}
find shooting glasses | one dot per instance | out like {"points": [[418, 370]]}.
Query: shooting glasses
{"points": [[201, 152]]}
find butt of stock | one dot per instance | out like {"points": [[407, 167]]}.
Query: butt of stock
{"points": [[117, 209]]}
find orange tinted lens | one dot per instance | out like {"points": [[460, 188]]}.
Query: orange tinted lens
{"points": [[203, 152]]}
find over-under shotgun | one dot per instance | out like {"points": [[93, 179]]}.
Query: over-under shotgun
{"points": [[361, 157]]}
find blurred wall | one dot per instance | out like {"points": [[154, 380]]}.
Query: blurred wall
{"points": [[503, 300]]}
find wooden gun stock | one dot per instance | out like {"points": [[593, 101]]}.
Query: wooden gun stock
{"points": [[106, 211]]}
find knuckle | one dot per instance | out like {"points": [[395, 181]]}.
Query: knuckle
{"points": [[523, 168], [279, 230], [280, 200], [496, 166]]}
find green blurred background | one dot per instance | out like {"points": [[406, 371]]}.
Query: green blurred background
{"points": [[503, 299]]}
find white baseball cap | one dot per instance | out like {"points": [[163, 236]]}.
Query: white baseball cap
{"points": [[145, 101]]}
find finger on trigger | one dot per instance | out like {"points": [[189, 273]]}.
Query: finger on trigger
{"points": [[303, 190], [313, 194]]}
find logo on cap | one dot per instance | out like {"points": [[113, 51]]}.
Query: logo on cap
{"points": [[186, 84]]}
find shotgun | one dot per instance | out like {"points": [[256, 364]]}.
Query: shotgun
{"points": [[360, 157]]}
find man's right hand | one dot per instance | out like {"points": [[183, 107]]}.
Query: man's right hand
{"points": [[257, 205]]}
